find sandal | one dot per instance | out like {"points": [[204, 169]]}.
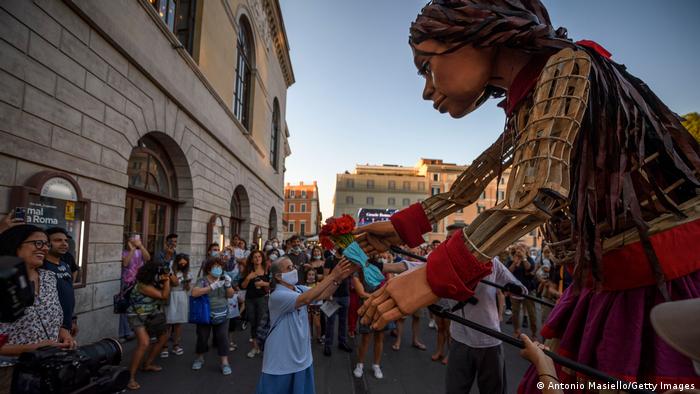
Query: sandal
{"points": [[396, 347], [133, 385], [419, 346], [152, 368], [436, 357], [444, 361]]}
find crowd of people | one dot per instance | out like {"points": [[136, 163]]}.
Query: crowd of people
{"points": [[287, 297], [238, 282]]}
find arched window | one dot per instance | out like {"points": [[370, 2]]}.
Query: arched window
{"points": [[151, 199], [272, 224], [275, 134], [244, 70], [240, 212]]}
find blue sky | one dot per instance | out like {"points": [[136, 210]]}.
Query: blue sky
{"points": [[357, 96]]}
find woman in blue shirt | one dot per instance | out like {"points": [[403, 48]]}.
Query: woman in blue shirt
{"points": [[287, 360]]}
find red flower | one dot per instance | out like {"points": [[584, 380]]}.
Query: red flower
{"points": [[327, 243], [329, 228], [345, 224]]}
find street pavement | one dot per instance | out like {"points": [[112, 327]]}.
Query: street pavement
{"points": [[408, 370]]}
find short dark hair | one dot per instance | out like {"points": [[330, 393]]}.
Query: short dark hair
{"points": [[56, 230], [170, 236], [147, 273], [12, 238], [294, 238], [211, 245], [210, 262]]}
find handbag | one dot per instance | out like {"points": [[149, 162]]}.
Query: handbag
{"points": [[199, 310], [122, 300]]}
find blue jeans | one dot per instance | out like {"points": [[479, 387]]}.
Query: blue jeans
{"points": [[342, 315], [124, 329]]}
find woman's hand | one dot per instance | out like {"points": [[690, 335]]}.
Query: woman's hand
{"points": [[64, 337], [533, 352], [377, 237]]}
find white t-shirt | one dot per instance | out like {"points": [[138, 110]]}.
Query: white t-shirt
{"points": [[485, 312]]}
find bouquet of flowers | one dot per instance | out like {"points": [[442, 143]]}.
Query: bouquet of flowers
{"points": [[337, 232]]}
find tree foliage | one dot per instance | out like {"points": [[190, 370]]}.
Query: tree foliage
{"points": [[692, 123]]}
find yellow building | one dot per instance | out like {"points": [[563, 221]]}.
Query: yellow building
{"points": [[396, 187]]}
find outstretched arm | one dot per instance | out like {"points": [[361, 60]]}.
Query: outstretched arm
{"points": [[538, 186]]}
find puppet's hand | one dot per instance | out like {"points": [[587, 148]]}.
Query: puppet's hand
{"points": [[377, 237], [402, 295]]}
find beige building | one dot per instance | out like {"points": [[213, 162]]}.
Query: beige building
{"points": [[377, 187], [302, 211], [142, 117], [396, 187]]}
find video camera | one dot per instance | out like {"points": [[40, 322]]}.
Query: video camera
{"points": [[15, 291], [89, 369]]}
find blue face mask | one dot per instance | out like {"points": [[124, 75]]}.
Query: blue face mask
{"points": [[214, 253], [217, 271]]}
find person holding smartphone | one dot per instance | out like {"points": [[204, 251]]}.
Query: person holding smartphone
{"points": [[167, 255], [177, 310]]}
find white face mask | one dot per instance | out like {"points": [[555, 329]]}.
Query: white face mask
{"points": [[290, 278], [317, 257], [274, 256], [268, 247], [382, 260]]}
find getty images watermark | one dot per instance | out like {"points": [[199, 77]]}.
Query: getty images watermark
{"points": [[619, 386]]}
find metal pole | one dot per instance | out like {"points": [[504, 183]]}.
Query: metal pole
{"points": [[563, 361]]}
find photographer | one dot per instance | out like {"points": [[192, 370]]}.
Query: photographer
{"points": [[146, 317], [165, 257], [219, 289], [41, 324], [133, 258]]}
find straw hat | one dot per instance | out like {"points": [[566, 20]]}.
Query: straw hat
{"points": [[677, 323]]}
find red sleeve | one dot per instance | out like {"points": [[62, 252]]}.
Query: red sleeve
{"points": [[453, 272], [411, 223]]}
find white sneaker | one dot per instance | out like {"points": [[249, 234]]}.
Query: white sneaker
{"points": [[359, 369], [432, 324], [251, 353], [377, 371], [508, 312]]}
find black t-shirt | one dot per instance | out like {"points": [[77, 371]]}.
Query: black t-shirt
{"points": [[298, 259], [527, 278], [252, 292], [555, 276], [344, 289], [64, 286]]}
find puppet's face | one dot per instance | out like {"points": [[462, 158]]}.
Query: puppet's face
{"points": [[454, 82]]}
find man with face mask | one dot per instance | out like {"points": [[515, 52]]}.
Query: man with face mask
{"points": [[297, 253]]}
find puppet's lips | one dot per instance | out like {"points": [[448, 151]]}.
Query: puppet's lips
{"points": [[438, 102]]}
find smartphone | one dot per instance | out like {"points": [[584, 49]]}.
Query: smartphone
{"points": [[20, 214], [136, 237]]}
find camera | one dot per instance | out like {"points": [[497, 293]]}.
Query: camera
{"points": [[15, 292], [92, 368]]}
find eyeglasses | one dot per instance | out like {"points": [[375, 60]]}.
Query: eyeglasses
{"points": [[38, 243]]}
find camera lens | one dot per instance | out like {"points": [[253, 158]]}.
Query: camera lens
{"points": [[106, 351]]}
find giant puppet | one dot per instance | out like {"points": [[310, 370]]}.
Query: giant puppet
{"points": [[597, 161]]}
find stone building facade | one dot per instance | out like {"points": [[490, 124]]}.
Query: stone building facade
{"points": [[391, 187], [146, 117], [302, 211]]}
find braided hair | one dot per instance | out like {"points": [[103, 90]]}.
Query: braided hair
{"points": [[631, 152]]}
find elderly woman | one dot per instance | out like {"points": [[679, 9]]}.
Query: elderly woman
{"points": [[41, 324], [287, 361]]}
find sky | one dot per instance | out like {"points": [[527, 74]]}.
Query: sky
{"points": [[357, 95]]}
